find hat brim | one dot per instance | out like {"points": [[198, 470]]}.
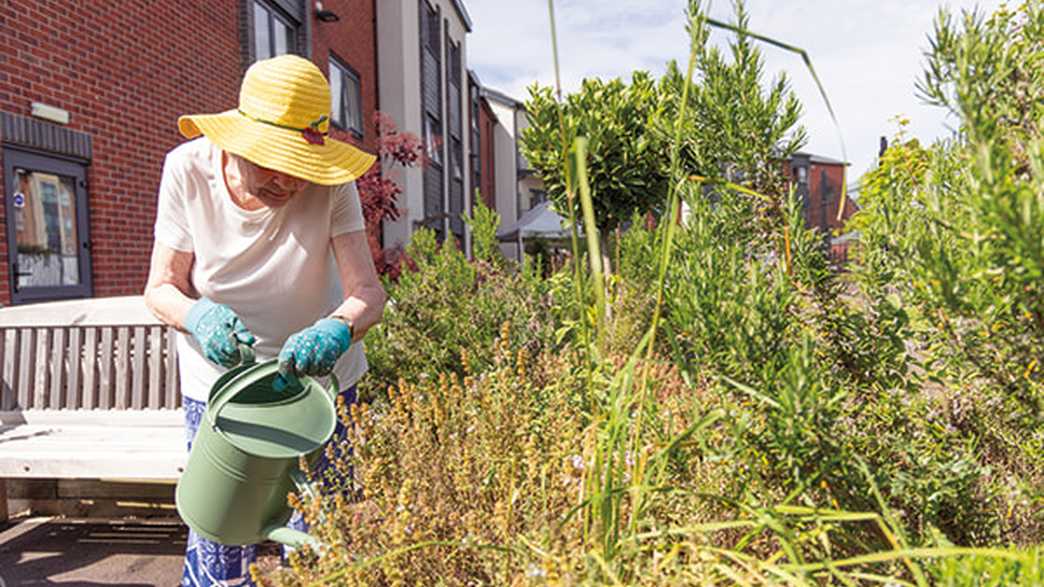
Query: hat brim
{"points": [[282, 149]]}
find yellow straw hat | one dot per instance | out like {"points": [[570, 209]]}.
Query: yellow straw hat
{"points": [[282, 123]]}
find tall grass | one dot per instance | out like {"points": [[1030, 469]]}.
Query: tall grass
{"points": [[578, 273], [673, 208]]}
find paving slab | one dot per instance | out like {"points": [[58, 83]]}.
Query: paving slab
{"points": [[91, 553]]}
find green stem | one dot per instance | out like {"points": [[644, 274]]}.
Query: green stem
{"points": [[594, 251], [669, 223], [578, 276]]}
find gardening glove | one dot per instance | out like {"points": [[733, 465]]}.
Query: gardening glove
{"points": [[218, 331], [312, 351]]}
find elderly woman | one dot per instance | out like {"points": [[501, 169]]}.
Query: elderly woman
{"points": [[259, 240]]}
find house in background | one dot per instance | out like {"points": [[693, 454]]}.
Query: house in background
{"points": [[85, 119], [516, 186], [483, 132], [424, 86], [818, 182], [470, 131], [531, 190]]}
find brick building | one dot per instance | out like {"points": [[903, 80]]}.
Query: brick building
{"points": [[818, 181], [483, 133], [89, 97]]}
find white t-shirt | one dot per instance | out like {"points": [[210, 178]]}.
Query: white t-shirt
{"points": [[274, 267]]}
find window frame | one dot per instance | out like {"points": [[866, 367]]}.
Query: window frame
{"points": [[433, 118], [57, 165], [275, 12], [456, 194], [536, 197], [347, 72], [802, 174], [475, 142]]}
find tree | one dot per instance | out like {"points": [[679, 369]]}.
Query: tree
{"points": [[736, 129], [379, 194], [955, 232], [627, 167]]}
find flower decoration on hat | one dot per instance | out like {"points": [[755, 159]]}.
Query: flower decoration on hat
{"points": [[312, 134]]}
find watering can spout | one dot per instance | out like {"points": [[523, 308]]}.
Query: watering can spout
{"points": [[292, 538], [286, 535]]}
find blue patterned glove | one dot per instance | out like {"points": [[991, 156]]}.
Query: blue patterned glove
{"points": [[312, 351], [218, 331]]}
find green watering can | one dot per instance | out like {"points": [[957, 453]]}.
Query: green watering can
{"points": [[244, 459]]}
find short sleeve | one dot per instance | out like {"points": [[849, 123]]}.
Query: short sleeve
{"points": [[172, 228], [345, 210]]}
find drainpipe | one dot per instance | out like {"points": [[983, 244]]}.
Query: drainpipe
{"points": [[376, 63], [309, 7], [377, 104]]}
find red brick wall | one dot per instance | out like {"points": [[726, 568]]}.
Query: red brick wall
{"points": [[816, 215], [125, 71]]}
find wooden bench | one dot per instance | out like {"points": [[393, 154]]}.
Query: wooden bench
{"points": [[88, 390]]}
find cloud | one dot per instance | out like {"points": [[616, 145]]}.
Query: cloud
{"points": [[867, 53]]}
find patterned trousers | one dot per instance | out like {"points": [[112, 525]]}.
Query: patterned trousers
{"points": [[209, 564]]}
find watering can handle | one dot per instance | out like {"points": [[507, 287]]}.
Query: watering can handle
{"points": [[246, 354], [247, 358], [335, 388]]}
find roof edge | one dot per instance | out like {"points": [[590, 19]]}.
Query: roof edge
{"points": [[501, 97], [813, 158], [462, 11]]}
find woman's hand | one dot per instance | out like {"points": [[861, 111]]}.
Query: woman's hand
{"points": [[312, 351], [218, 331]]}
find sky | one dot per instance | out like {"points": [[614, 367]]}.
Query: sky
{"points": [[867, 53]]}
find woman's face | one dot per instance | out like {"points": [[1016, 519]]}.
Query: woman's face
{"points": [[273, 188]]}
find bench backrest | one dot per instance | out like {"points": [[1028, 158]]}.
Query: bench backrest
{"points": [[99, 353]]}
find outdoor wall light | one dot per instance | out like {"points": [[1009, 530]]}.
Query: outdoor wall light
{"points": [[325, 15]]}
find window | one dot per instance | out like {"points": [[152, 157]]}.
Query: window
{"points": [[433, 140], [430, 29], [431, 92], [455, 109], [536, 197], [456, 154], [49, 244], [345, 97], [475, 159], [274, 32], [454, 65]]}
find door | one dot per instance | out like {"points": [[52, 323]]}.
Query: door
{"points": [[48, 242]]}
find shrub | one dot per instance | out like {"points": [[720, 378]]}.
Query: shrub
{"points": [[446, 311], [954, 235]]}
